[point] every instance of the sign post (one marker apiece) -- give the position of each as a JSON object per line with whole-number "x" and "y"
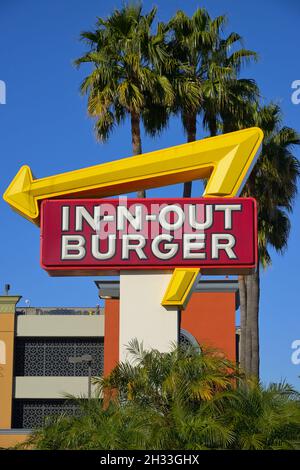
{"x": 141, "y": 314}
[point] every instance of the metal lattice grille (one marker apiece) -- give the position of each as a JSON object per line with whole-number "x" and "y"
{"x": 187, "y": 340}
{"x": 31, "y": 414}
{"x": 49, "y": 356}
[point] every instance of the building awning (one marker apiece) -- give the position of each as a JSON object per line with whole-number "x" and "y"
{"x": 110, "y": 289}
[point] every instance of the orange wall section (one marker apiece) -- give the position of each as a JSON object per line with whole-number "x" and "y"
{"x": 6, "y": 373}
{"x": 111, "y": 335}
{"x": 7, "y": 337}
{"x": 210, "y": 318}
{"x": 11, "y": 440}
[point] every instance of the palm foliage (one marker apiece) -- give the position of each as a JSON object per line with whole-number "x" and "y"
{"x": 186, "y": 67}
{"x": 178, "y": 400}
{"x": 126, "y": 76}
{"x": 160, "y": 378}
{"x": 205, "y": 73}
{"x": 265, "y": 418}
{"x": 273, "y": 183}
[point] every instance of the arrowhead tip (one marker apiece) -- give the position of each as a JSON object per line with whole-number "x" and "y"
{"x": 19, "y": 196}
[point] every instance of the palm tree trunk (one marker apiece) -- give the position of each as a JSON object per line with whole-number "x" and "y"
{"x": 248, "y": 335}
{"x": 191, "y": 129}
{"x": 136, "y": 141}
{"x": 213, "y": 127}
{"x": 243, "y": 321}
{"x": 254, "y": 322}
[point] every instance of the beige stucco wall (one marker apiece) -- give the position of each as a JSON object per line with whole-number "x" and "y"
{"x": 50, "y": 387}
{"x": 141, "y": 314}
{"x": 60, "y": 325}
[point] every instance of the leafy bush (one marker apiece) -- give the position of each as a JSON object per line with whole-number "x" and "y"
{"x": 178, "y": 400}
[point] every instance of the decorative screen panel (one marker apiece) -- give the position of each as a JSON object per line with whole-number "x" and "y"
{"x": 49, "y": 356}
{"x": 31, "y": 414}
{"x": 187, "y": 340}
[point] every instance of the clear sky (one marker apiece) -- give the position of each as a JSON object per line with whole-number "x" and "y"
{"x": 44, "y": 124}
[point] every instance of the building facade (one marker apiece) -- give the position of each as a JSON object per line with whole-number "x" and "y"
{"x": 36, "y": 345}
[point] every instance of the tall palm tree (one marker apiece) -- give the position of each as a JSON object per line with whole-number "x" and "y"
{"x": 206, "y": 76}
{"x": 225, "y": 94}
{"x": 273, "y": 183}
{"x": 126, "y": 76}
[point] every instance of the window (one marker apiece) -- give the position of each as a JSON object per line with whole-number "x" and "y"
{"x": 31, "y": 414}
{"x": 186, "y": 340}
{"x": 49, "y": 356}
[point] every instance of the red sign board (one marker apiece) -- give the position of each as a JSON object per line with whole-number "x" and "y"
{"x": 94, "y": 236}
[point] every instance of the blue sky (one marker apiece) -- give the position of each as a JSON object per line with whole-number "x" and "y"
{"x": 44, "y": 124}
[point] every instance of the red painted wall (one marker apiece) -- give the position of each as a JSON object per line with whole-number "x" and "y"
{"x": 209, "y": 317}
{"x": 111, "y": 335}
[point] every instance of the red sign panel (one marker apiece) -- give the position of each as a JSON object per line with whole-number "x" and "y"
{"x": 94, "y": 236}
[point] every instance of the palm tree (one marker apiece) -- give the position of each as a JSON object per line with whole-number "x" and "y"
{"x": 183, "y": 375}
{"x": 126, "y": 77}
{"x": 178, "y": 400}
{"x": 264, "y": 418}
{"x": 205, "y": 73}
{"x": 273, "y": 183}
{"x": 226, "y": 95}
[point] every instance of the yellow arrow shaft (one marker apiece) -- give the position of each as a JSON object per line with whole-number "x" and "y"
{"x": 224, "y": 160}
{"x": 102, "y": 178}
{"x": 146, "y": 170}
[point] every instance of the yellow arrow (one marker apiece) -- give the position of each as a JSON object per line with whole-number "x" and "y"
{"x": 180, "y": 286}
{"x": 224, "y": 160}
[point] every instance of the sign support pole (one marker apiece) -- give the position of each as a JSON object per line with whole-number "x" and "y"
{"x": 142, "y": 316}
